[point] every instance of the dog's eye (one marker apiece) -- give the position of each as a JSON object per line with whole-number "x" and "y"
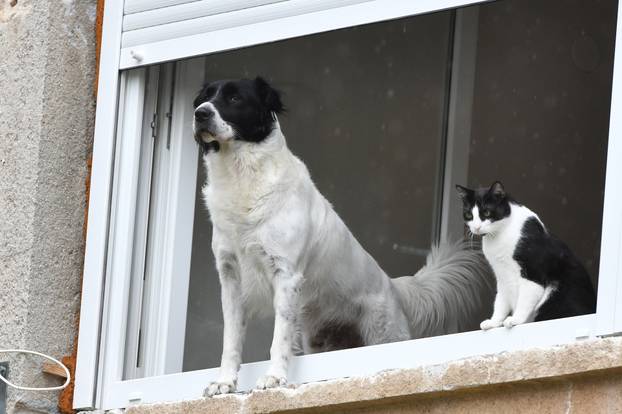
{"x": 468, "y": 215}
{"x": 235, "y": 99}
{"x": 486, "y": 213}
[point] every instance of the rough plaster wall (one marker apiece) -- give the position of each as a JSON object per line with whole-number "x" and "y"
{"x": 47, "y": 62}
{"x": 586, "y": 394}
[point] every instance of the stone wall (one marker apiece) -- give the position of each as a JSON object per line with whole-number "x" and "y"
{"x": 47, "y": 67}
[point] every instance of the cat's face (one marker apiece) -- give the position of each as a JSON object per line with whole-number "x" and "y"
{"x": 484, "y": 209}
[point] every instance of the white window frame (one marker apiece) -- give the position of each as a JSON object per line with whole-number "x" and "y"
{"x": 115, "y": 181}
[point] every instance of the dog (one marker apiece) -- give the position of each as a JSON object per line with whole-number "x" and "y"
{"x": 279, "y": 246}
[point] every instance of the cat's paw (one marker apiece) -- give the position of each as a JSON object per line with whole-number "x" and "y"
{"x": 220, "y": 387}
{"x": 489, "y": 324}
{"x": 511, "y": 321}
{"x": 270, "y": 381}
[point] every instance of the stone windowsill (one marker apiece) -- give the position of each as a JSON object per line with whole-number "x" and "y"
{"x": 539, "y": 366}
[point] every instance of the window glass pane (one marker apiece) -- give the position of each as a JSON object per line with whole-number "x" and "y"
{"x": 365, "y": 113}
{"x": 385, "y": 115}
{"x": 541, "y": 111}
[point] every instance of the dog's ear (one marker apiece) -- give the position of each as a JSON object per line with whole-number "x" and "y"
{"x": 269, "y": 96}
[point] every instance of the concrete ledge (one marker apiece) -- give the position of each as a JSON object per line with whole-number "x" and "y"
{"x": 586, "y": 372}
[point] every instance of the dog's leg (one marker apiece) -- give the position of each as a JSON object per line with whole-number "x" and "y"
{"x": 287, "y": 286}
{"x": 234, "y": 316}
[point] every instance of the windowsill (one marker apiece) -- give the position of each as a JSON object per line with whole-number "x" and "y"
{"x": 555, "y": 370}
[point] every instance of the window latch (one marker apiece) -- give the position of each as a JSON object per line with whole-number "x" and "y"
{"x": 154, "y": 126}
{"x": 134, "y": 398}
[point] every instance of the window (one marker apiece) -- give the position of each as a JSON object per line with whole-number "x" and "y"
{"x": 521, "y": 91}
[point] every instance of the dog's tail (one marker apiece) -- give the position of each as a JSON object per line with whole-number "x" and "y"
{"x": 452, "y": 293}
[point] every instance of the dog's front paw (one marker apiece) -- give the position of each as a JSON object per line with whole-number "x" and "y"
{"x": 489, "y": 324}
{"x": 220, "y": 387}
{"x": 511, "y": 321}
{"x": 270, "y": 381}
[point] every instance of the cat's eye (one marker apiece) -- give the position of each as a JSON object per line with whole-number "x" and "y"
{"x": 486, "y": 213}
{"x": 468, "y": 215}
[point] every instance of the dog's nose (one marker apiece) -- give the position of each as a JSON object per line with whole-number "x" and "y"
{"x": 203, "y": 114}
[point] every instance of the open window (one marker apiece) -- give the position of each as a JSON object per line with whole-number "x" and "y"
{"x": 390, "y": 104}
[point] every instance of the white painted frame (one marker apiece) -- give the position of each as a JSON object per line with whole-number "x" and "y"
{"x": 86, "y": 373}
{"x": 348, "y": 363}
{"x": 176, "y": 174}
{"x": 99, "y": 372}
{"x": 184, "y": 11}
{"x": 141, "y": 230}
{"x": 459, "y": 121}
{"x": 121, "y": 231}
{"x": 242, "y": 30}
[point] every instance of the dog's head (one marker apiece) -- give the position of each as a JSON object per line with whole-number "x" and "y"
{"x": 235, "y": 110}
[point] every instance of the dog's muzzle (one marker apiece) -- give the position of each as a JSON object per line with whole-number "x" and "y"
{"x": 203, "y": 114}
{"x": 202, "y": 119}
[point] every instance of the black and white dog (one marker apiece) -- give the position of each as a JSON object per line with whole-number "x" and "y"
{"x": 279, "y": 245}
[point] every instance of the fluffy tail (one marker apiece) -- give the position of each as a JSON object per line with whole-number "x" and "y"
{"x": 452, "y": 293}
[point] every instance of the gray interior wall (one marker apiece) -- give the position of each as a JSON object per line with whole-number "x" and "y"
{"x": 365, "y": 112}
{"x": 541, "y": 111}
{"x": 47, "y": 65}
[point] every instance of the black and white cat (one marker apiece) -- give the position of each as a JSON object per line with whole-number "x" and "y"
{"x": 538, "y": 276}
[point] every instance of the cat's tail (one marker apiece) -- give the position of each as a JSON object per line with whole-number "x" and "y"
{"x": 452, "y": 293}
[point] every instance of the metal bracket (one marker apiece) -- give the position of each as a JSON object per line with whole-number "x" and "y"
{"x": 154, "y": 125}
{"x": 4, "y": 371}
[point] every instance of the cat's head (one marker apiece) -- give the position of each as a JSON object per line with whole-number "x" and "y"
{"x": 484, "y": 209}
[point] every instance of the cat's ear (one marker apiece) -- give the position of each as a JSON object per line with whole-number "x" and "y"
{"x": 497, "y": 189}
{"x": 463, "y": 192}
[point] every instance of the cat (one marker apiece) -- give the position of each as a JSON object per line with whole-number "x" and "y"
{"x": 538, "y": 276}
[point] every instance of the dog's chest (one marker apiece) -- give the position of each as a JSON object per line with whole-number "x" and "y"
{"x": 238, "y": 205}
{"x": 234, "y": 208}
{"x": 238, "y": 214}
